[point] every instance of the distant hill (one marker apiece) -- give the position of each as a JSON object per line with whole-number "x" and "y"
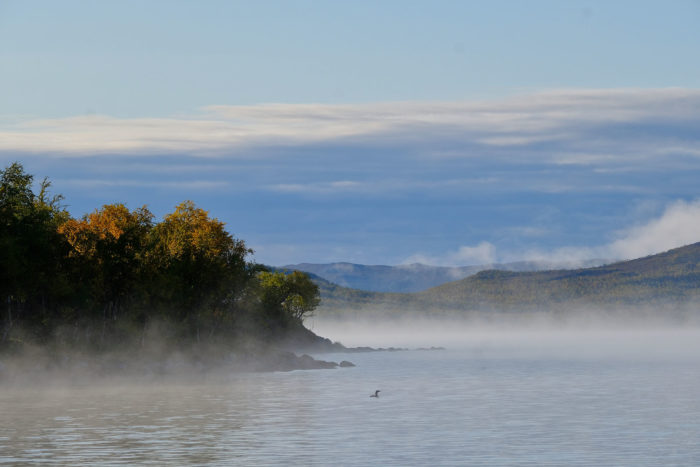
{"x": 666, "y": 278}
{"x": 413, "y": 277}
{"x": 673, "y": 275}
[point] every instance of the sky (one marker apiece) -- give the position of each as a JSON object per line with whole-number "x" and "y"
{"x": 390, "y": 132}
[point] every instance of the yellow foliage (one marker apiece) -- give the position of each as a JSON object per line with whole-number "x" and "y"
{"x": 190, "y": 231}
{"x": 107, "y": 224}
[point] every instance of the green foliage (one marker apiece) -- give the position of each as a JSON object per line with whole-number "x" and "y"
{"x": 197, "y": 265}
{"x": 291, "y": 296}
{"x": 102, "y": 279}
{"x": 31, "y": 276}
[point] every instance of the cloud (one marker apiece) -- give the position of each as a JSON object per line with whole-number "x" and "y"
{"x": 177, "y": 185}
{"x": 318, "y": 187}
{"x": 398, "y": 170}
{"x": 483, "y": 253}
{"x": 579, "y": 127}
{"x": 386, "y": 185}
{"x": 677, "y": 226}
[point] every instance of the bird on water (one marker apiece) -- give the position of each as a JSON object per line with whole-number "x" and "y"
{"x": 376, "y": 393}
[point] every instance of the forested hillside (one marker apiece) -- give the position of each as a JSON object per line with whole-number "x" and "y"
{"x": 117, "y": 278}
{"x": 414, "y": 277}
{"x": 672, "y": 277}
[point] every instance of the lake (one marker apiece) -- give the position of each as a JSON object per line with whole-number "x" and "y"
{"x": 507, "y": 399}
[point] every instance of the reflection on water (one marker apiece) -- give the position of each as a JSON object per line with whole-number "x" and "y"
{"x": 435, "y": 408}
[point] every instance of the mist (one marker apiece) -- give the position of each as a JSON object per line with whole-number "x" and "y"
{"x": 582, "y": 333}
{"x": 159, "y": 357}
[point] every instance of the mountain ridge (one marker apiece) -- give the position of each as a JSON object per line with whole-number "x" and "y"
{"x": 414, "y": 277}
{"x": 670, "y": 277}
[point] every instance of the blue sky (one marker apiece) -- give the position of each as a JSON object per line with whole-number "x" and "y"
{"x": 372, "y": 132}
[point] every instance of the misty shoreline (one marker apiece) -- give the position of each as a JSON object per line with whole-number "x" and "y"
{"x": 39, "y": 366}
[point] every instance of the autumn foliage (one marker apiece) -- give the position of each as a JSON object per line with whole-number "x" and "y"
{"x": 106, "y": 278}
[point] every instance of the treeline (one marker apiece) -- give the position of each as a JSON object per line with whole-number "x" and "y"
{"x": 112, "y": 276}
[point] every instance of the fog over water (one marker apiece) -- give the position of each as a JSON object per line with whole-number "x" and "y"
{"x": 527, "y": 391}
{"x": 581, "y": 333}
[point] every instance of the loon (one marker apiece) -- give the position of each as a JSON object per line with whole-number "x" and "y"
{"x": 376, "y": 393}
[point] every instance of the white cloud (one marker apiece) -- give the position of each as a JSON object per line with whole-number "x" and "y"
{"x": 562, "y": 117}
{"x": 679, "y": 225}
{"x": 483, "y": 253}
{"x": 564, "y": 257}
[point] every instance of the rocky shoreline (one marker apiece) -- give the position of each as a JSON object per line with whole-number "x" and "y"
{"x": 35, "y": 364}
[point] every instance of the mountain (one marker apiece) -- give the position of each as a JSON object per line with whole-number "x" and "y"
{"x": 672, "y": 277}
{"x": 412, "y": 277}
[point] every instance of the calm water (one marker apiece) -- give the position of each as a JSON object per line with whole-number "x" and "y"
{"x": 468, "y": 407}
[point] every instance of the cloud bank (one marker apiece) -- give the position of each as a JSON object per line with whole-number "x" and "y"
{"x": 562, "y": 119}
{"x": 449, "y": 183}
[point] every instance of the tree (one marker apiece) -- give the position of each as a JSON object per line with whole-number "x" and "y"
{"x": 64, "y": 279}
{"x": 107, "y": 252}
{"x": 200, "y": 267}
{"x": 290, "y": 297}
{"x": 31, "y": 275}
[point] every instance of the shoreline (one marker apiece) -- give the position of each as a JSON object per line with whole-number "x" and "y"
{"x": 33, "y": 369}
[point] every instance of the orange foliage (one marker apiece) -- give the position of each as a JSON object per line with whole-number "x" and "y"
{"x": 105, "y": 225}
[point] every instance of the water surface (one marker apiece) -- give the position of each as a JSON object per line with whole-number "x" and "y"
{"x": 476, "y": 406}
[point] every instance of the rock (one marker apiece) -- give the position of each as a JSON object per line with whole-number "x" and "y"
{"x": 307, "y": 362}
{"x": 346, "y": 364}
